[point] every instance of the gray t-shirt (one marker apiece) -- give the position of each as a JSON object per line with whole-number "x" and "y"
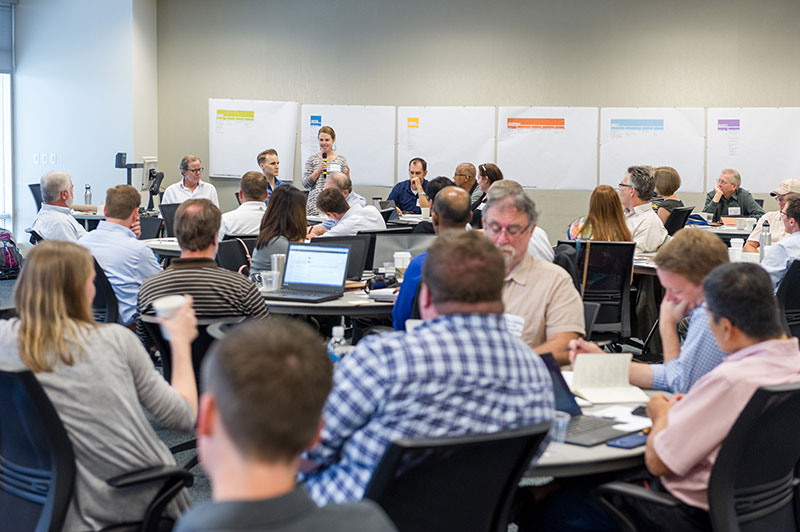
{"x": 261, "y": 260}
{"x": 293, "y": 512}
{"x": 100, "y": 399}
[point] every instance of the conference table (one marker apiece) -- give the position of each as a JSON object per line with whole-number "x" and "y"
{"x": 725, "y": 232}
{"x": 164, "y": 247}
{"x": 354, "y": 304}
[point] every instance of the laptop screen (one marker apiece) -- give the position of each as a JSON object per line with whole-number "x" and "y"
{"x": 316, "y": 265}
{"x": 565, "y": 400}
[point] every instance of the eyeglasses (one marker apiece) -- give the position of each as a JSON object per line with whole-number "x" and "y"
{"x": 620, "y": 185}
{"x": 783, "y": 213}
{"x": 511, "y": 230}
{"x": 195, "y": 170}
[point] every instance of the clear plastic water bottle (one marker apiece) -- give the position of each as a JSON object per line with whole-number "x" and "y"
{"x": 87, "y": 196}
{"x": 337, "y": 345}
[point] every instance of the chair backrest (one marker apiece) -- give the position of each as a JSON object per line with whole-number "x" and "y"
{"x": 35, "y": 237}
{"x": 759, "y": 201}
{"x": 608, "y": 281}
{"x": 359, "y": 246}
{"x": 454, "y": 483}
{"x": 752, "y": 487}
{"x": 37, "y": 464}
{"x": 105, "y": 306}
{"x": 789, "y": 299}
{"x": 590, "y": 311}
{"x": 36, "y": 190}
{"x": 677, "y": 219}
{"x": 234, "y": 255}
{"x": 564, "y": 256}
{"x": 151, "y": 227}
{"x": 249, "y": 241}
{"x": 168, "y": 214}
{"x": 200, "y": 346}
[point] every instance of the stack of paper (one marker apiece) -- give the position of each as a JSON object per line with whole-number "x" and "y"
{"x": 603, "y": 378}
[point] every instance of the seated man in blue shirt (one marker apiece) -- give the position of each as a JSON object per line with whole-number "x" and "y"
{"x": 411, "y": 194}
{"x": 460, "y": 372}
{"x": 126, "y": 261}
{"x": 681, "y": 264}
{"x": 787, "y": 250}
{"x": 263, "y": 393}
{"x": 54, "y": 221}
{"x": 450, "y": 211}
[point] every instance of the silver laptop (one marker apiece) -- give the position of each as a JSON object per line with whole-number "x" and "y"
{"x": 313, "y": 273}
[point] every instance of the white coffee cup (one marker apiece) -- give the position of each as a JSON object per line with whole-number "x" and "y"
{"x": 735, "y": 254}
{"x": 401, "y": 261}
{"x": 741, "y": 223}
{"x": 167, "y": 306}
{"x": 751, "y": 224}
{"x": 737, "y": 243}
{"x": 426, "y": 212}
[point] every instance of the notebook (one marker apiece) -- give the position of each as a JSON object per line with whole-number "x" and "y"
{"x": 585, "y": 431}
{"x": 603, "y": 378}
{"x": 313, "y": 273}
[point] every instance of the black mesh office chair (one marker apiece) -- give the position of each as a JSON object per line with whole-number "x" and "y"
{"x": 105, "y": 306}
{"x": 36, "y": 190}
{"x": 590, "y": 311}
{"x": 454, "y": 483}
{"x": 677, "y": 219}
{"x": 249, "y": 241}
{"x": 151, "y": 227}
{"x": 789, "y": 300}
{"x": 234, "y": 255}
{"x": 35, "y": 237}
{"x": 37, "y": 464}
{"x": 753, "y": 485}
{"x": 760, "y": 202}
{"x": 168, "y": 214}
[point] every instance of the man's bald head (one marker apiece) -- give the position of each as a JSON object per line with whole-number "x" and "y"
{"x": 465, "y": 175}
{"x": 340, "y": 181}
{"x": 451, "y": 209}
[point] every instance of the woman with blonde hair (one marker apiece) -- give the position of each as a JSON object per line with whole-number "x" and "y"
{"x": 99, "y": 378}
{"x": 605, "y": 220}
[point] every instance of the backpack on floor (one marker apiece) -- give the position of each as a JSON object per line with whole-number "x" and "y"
{"x": 10, "y": 258}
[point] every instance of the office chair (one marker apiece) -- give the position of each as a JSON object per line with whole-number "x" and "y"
{"x": 35, "y": 237}
{"x": 36, "y": 190}
{"x": 200, "y": 347}
{"x": 788, "y": 295}
{"x": 677, "y": 219}
{"x": 168, "y": 214}
{"x": 234, "y": 255}
{"x": 760, "y": 202}
{"x": 249, "y": 241}
{"x": 590, "y": 311}
{"x": 37, "y": 476}
{"x": 473, "y": 479}
{"x": 753, "y": 484}
{"x": 105, "y": 306}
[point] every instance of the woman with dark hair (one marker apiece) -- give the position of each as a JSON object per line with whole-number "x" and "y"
{"x": 320, "y": 164}
{"x": 284, "y": 221}
{"x": 488, "y": 173}
{"x": 100, "y": 380}
{"x": 667, "y": 183}
{"x": 605, "y": 220}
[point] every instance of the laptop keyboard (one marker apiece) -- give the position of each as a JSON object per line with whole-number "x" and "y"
{"x": 288, "y": 292}
{"x": 591, "y": 430}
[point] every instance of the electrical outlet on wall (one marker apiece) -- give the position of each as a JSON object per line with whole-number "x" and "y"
{"x": 52, "y": 158}
{"x": 35, "y": 158}
{"x": 43, "y": 158}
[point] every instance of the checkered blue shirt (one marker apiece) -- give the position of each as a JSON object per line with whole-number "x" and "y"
{"x": 454, "y": 375}
{"x": 699, "y": 355}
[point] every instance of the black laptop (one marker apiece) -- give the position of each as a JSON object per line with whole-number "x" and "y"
{"x": 313, "y": 274}
{"x": 586, "y": 431}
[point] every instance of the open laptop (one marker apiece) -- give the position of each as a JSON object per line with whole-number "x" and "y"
{"x": 313, "y": 274}
{"x": 586, "y": 431}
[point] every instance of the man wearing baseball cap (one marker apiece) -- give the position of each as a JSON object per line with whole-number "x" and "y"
{"x": 787, "y": 186}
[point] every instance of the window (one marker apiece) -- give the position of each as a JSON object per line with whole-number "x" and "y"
{"x": 6, "y": 67}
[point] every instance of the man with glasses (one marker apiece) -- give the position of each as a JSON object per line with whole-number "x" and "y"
{"x": 787, "y": 186}
{"x": 728, "y": 199}
{"x": 540, "y": 298}
{"x": 464, "y": 177}
{"x": 782, "y": 254}
{"x": 190, "y": 186}
{"x": 635, "y": 192}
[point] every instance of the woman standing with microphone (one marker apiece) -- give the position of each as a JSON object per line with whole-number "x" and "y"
{"x": 319, "y": 165}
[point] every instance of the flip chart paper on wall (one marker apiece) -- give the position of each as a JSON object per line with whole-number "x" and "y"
{"x": 763, "y": 144}
{"x": 238, "y": 130}
{"x": 551, "y": 148}
{"x": 444, "y": 137}
{"x": 656, "y": 136}
{"x": 364, "y": 135}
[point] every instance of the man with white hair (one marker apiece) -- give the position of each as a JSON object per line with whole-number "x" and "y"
{"x": 53, "y": 221}
{"x": 729, "y": 199}
{"x": 635, "y": 192}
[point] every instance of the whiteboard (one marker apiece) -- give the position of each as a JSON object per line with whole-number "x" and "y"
{"x": 238, "y": 130}
{"x": 552, "y": 148}
{"x": 364, "y": 136}
{"x": 444, "y": 137}
{"x": 762, "y": 144}
{"x": 656, "y": 136}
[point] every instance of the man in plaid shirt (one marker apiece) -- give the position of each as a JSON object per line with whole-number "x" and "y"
{"x": 459, "y": 372}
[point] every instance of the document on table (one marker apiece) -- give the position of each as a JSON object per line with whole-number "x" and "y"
{"x": 603, "y": 378}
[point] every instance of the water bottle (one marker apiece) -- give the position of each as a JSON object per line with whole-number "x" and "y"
{"x": 764, "y": 240}
{"x": 87, "y": 196}
{"x": 337, "y": 346}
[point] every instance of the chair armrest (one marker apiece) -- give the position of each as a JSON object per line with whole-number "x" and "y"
{"x": 637, "y": 492}
{"x": 150, "y": 475}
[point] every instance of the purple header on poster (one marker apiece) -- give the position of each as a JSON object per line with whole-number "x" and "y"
{"x": 731, "y": 124}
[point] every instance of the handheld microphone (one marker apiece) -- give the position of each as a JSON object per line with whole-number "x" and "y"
{"x": 324, "y": 160}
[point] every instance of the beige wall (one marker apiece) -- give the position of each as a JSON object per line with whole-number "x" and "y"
{"x": 450, "y": 52}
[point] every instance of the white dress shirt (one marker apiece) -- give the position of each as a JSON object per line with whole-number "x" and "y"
{"x": 53, "y": 222}
{"x": 539, "y": 245}
{"x": 646, "y": 228}
{"x": 358, "y": 219}
{"x": 245, "y": 220}
{"x": 178, "y": 193}
{"x": 781, "y": 256}
{"x": 353, "y": 200}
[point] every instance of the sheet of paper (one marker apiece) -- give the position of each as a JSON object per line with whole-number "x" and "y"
{"x": 596, "y": 370}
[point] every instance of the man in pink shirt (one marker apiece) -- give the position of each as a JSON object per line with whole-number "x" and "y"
{"x": 688, "y": 430}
